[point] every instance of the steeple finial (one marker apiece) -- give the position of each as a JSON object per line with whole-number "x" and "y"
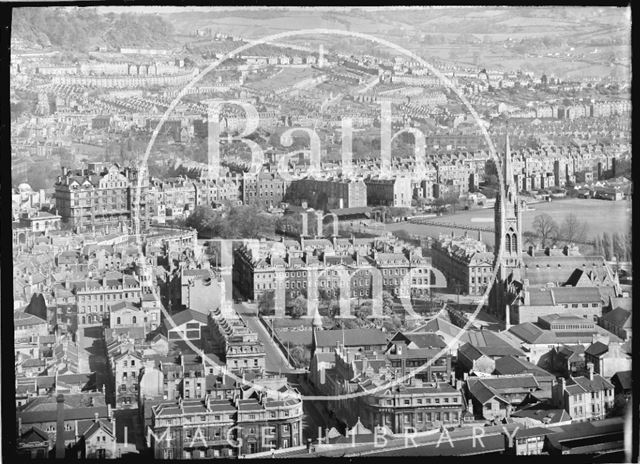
{"x": 508, "y": 174}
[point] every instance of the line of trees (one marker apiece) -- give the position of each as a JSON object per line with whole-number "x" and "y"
{"x": 235, "y": 222}
{"x": 614, "y": 245}
{"x": 547, "y": 232}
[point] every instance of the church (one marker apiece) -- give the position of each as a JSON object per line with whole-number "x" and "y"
{"x": 535, "y": 282}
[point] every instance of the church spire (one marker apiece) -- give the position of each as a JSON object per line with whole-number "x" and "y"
{"x": 508, "y": 172}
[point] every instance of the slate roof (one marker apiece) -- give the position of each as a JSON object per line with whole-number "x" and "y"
{"x": 539, "y": 413}
{"x": 475, "y": 352}
{"x": 34, "y": 435}
{"x": 483, "y": 392}
{"x": 437, "y": 324}
{"x": 352, "y": 337}
{"x": 619, "y": 317}
{"x": 540, "y": 270}
{"x": 624, "y": 378}
{"x": 509, "y": 365}
{"x": 596, "y": 349}
{"x": 598, "y": 383}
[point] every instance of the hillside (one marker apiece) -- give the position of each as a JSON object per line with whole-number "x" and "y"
{"x": 82, "y": 29}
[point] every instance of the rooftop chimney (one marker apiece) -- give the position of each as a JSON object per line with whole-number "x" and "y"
{"x": 590, "y": 370}
{"x": 60, "y": 448}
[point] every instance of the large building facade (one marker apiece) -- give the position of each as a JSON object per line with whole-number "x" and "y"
{"x": 100, "y": 197}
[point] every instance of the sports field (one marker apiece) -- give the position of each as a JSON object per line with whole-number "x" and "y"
{"x": 600, "y": 215}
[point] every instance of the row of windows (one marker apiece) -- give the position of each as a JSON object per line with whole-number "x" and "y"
{"x": 407, "y": 401}
{"x": 132, "y": 375}
{"x": 108, "y": 296}
{"x": 428, "y": 417}
{"x": 396, "y": 271}
{"x": 245, "y": 362}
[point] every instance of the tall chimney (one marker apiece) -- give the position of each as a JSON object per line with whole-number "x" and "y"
{"x": 60, "y": 448}
{"x": 590, "y": 370}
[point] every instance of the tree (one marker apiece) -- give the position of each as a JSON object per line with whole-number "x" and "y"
{"x": 597, "y": 246}
{"x": 204, "y": 219}
{"x": 300, "y": 354}
{"x": 267, "y": 302}
{"x": 402, "y": 235}
{"x": 607, "y": 246}
{"x": 546, "y": 229}
{"x": 529, "y": 238}
{"x": 387, "y": 302}
{"x": 299, "y": 307}
{"x": 573, "y": 230}
{"x": 363, "y": 311}
{"x": 619, "y": 246}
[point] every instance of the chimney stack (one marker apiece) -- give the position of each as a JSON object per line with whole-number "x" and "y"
{"x": 60, "y": 448}
{"x": 590, "y": 370}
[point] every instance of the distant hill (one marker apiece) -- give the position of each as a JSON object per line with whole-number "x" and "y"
{"x": 83, "y": 29}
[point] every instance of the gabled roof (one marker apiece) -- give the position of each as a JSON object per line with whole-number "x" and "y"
{"x": 34, "y": 435}
{"x": 437, "y": 324}
{"x": 188, "y": 315}
{"x": 97, "y": 426}
{"x": 624, "y": 379}
{"x": 483, "y": 392}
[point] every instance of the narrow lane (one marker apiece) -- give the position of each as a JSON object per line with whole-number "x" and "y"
{"x": 276, "y": 361}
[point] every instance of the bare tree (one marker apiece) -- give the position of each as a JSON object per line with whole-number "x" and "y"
{"x": 607, "y": 246}
{"x": 573, "y": 230}
{"x": 546, "y": 228}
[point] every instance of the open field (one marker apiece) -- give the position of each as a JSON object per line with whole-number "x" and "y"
{"x": 286, "y": 77}
{"x": 600, "y": 215}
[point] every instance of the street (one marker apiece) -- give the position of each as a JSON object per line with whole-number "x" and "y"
{"x": 275, "y": 360}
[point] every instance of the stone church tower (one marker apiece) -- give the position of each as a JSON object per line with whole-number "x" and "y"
{"x": 508, "y": 238}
